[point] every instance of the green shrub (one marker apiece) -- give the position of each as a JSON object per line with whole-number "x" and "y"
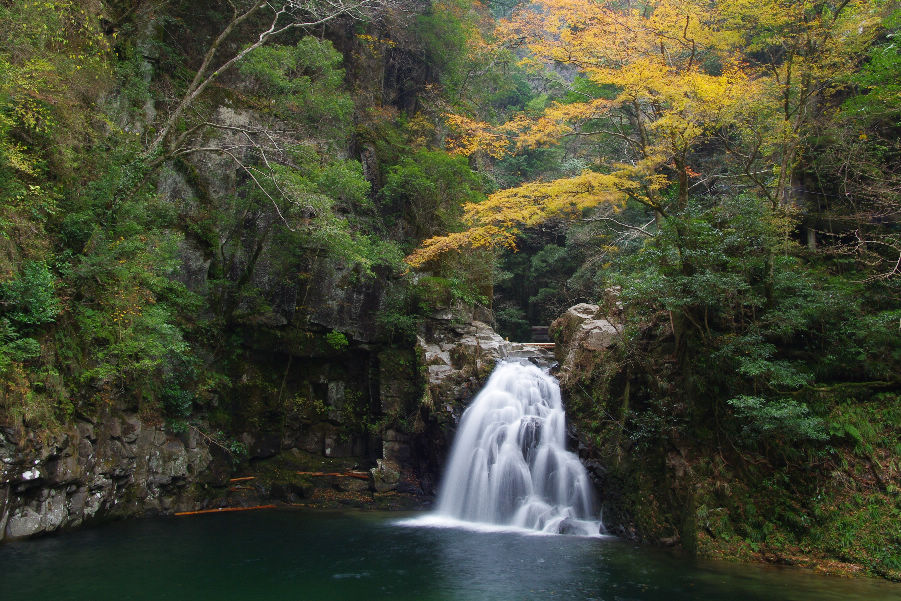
{"x": 786, "y": 418}
{"x": 30, "y": 297}
{"x": 337, "y": 340}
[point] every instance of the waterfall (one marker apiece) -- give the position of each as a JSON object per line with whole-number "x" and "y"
{"x": 509, "y": 465}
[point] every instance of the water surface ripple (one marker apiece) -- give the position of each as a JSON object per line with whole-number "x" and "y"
{"x": 299, "y": 555}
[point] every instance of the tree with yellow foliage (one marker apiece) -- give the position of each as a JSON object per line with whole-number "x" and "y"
{"x": 799, "y": 52}
{"x": 666, "y": 77}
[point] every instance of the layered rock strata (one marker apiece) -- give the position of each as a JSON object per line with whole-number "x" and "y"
{"x": 120, "y": 466}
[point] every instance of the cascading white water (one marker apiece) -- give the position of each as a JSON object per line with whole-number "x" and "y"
{"x": 509, "y": 465}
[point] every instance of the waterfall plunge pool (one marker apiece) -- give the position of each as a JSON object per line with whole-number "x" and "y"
{"x": 294, "y": 555}
{"x": 509, "y": 479}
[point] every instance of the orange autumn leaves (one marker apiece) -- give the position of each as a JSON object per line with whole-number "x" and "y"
{"x": 649, "y": 58}
{"x": 496, "y": 221}
{"x": 665, "y": 77}
{"x": 522, "y": 131}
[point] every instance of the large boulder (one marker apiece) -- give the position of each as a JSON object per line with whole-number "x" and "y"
{"x": 583, "y": 335}
{"x": 460, "y": 350}
{"x": 385, "y": 476}
{"x": 458, "y": 359}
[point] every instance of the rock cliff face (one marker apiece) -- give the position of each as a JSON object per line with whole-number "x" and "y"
{"x": 455, "y": 353}
{"x": 582, "y": 334}
{"x": 644, "y": 493}
{"x": 460, "y": 355}
{"x": 121, "y": 466}
{"x": 586, "y": 336}
{"x": 118, "y": 466}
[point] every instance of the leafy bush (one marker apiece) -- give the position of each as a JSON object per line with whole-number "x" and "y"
{"x": 337, "y": 340}
{"x": 785, "y": 418}
{"x": 512, "y": 323}
{"x": 30, "y": 298}
{"x": 302, "y": 83}
{"x": 427, "y": 192}
{"x": 14, "y": 348}
{"x": 435, "y": 292}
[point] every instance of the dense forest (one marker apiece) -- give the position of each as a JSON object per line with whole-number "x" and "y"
{"x": 189, "y": 188}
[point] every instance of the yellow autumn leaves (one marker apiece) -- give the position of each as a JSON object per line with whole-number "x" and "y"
{"x": 496, "y": 221}
{"x": 674, "y": 74}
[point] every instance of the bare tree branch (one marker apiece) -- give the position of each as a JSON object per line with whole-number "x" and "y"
{"x": 286, "y": 15}
{"x": 634, "y": 228}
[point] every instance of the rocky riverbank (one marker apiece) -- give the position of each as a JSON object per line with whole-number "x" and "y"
{"x": 117, "y": 465}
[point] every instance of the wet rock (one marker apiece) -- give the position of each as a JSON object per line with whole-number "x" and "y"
{"x": 582, "y": 335}
{"x": 77, "y": 502}
{"x": 385, "y": 476}
{"x": 54, "y": 511}
{"x": 115, "y": 428}
{"x": 23, "y": 522}
{"x": 175, "y": 459}
{"x": 459, "y": 357}
{"x": 199, "y": 460}
{"x": 85, "y": 451}
{"x": 93, "y": 504}
{"x": 158, "y": 437}
{"x": 100, "y": 483}
{"x": 65, "y": 470}
{"x": 131, "y": 429}
{"x": 86, "y": 430}
{"x": 120, "y": 467}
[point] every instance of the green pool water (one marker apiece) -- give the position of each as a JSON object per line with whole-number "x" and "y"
{"x": 298, "y": 555}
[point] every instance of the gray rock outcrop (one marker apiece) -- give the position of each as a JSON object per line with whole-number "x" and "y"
{"x": 460, "y": 355}
{"x": 120, "y": 466}
{"x": 583, "y": 334}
